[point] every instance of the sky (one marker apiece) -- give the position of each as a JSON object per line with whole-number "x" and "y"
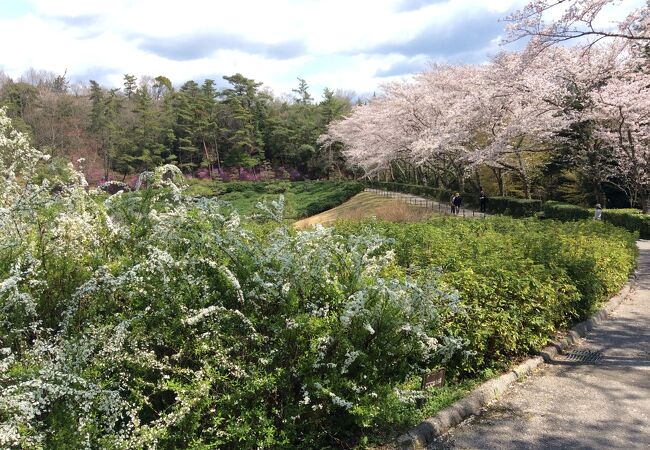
{"x": 352, "y": 45}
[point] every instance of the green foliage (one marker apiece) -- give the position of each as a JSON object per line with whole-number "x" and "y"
{"x": 398, "y": 415}
{"x": 154, "y": 319}
{"x": 178, "y": 325}
{"x": 302, "y": 198}
{"x": 565, "y": 211}
{"x": 630, "y": 219}
{"x": 203, "y": 188}
{"x": 633, "y": 220}
{"x": 518, "y": 280}
{"x": 324, "y": 197}
{"x": 515, "y": 207}
{"x": 197, "y": 126}
{"x": 18, "y": 98}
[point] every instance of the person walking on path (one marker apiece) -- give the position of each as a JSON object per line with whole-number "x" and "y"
{"x": 482, "y": 201}
{"x": 455, "y": 203}
{"x": 599, "y": 212}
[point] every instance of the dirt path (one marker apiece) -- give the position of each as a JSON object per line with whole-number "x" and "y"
{"x": 597, "y": 399}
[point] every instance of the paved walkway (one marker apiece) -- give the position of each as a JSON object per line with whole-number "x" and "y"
{"x": 440, "y": 208}
{"x": 579, "y": 405}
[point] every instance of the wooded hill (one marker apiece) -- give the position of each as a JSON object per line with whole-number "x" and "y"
{"x": 241, "y": 130}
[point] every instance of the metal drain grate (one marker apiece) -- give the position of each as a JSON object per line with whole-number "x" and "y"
{"x": 580, "y": 356}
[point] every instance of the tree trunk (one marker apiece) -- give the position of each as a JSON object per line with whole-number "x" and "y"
{"x": 498, "y": 174}
{"x": 216, "y": 151}
{"x": 645, "y": 203}
{"x": 207, "y": 158}
{"x": 107, "y": 164}
{"x": 522, "y": 171}
{"x": 600, "y": 195}
{"x": 526, "y": 185}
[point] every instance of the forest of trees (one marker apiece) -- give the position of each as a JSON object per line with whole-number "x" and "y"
{"x": 569, "y": 123}
{"x": 241, "y": 130}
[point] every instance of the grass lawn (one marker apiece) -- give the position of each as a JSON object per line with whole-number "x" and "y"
{"x": 365, "y": 205}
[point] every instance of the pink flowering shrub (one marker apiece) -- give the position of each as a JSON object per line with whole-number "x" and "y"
{"x": 202, "y": 174}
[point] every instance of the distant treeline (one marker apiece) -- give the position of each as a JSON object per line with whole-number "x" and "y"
{"x": 240, "y": 131}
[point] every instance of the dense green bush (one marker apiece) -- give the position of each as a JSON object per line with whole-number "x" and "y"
{"x": 630, "y": 219}
{"x": 515, "y": 207}
{"x": 178, "y": 324}
{"x": 518, "y": 280}
{"x": 338, "y": 193}
{"x": 158, "y": 320}
{"x": 565, "y": 211}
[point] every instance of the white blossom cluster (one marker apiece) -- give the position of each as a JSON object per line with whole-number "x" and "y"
{"x": 128, "y": 320}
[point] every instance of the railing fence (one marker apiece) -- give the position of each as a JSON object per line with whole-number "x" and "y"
{"x": 427, "y": 203}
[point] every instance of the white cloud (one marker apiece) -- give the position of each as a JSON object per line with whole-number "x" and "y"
{"x": 107, "y": 39}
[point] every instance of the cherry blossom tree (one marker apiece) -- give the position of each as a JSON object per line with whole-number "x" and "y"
{"x": 609, "y": 84}
{"x": 370, "y": 136}
{"x": 577, "y": 20}
{"x": 453, "y": 119}
{"x": 585, "y": 150}
{"x": 451, "y": 105}
{"x": 522, "y": 116}
{"x": 422, "y": 124}
{"x": 621, "y": 108}
{"x": 513, "y": 114}
{"x": 607, "y": 111}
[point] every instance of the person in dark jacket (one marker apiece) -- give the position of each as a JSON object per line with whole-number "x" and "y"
{"x": 455, "y": 203}
{"x": 482, "y": 201}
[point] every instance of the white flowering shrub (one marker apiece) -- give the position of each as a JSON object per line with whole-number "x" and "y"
{"x": 153, "y": 320}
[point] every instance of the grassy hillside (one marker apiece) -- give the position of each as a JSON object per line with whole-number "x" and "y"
{"x": 366, "y": 205}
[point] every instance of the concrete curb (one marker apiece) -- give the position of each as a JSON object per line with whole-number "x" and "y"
{"x": 422, "y": 435}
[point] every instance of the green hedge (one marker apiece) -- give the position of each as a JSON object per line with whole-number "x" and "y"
{"x": 515, "y": 207}
{"x": 510, "y": 206}
{"x": 440, "y": 194}
{"x": 565, "y": 211}
{"x": 338, "y": 193}
{"x": 630, "y": 219}
{"x": 518, "y": 279}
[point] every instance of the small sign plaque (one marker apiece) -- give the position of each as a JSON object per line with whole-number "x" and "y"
{"x": 433, "y": 379}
